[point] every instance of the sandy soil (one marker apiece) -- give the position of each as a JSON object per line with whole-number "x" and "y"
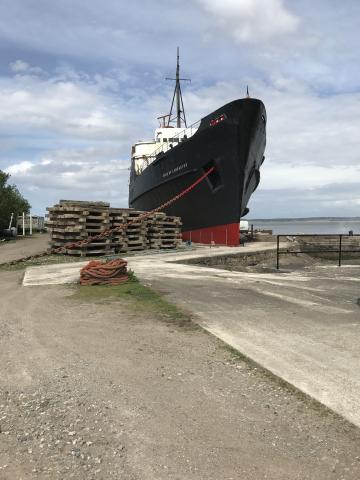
{"x": 22, "y": 247}
{"x": 98, "y": 389}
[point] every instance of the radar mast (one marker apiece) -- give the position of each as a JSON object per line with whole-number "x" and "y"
{"x": 179, "y": 117}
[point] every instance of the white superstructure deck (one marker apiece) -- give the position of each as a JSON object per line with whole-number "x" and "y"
{"x": 143, "y": 153}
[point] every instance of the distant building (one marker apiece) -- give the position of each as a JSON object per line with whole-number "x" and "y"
{"x": 38, "y": 223}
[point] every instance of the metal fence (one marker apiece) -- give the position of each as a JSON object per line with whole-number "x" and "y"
{"x": 336, "y": 245}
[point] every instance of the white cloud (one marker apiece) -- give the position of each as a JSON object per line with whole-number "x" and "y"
{"x": 20, "y": 168}
{"x": 333, "y": 200}
{"x": 307, "y": 129}
{"x": 352, "y": 203}
{"x": 92, "y": 174}
{"x": 307, "y": 177}
{"x": 303, "y": 128}
{"x": 75, "y": 109}
{"x": 253, "y": 21}
{"x": 19, "y": 66}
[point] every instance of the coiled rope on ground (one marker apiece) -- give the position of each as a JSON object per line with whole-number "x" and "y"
{"x": 111, "y": 272}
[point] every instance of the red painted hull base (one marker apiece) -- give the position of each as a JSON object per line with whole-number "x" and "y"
{"x": 228, "y": 234}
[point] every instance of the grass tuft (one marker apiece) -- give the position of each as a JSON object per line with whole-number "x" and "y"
{"x": 137, "y": 297}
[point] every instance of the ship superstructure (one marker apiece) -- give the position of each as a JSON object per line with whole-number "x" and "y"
{"x": 166, "y": 138}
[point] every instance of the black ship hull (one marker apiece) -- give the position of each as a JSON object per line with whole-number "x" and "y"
{"x": 232, "y": 139}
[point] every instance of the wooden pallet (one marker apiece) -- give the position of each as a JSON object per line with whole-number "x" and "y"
{"x": 164, "y": 232}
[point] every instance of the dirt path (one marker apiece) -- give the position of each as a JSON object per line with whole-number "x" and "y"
{"x": 93, "y": 388}
{"x": 22, "y": 247}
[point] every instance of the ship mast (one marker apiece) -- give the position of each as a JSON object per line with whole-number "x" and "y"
{"x": 180, "y": 116}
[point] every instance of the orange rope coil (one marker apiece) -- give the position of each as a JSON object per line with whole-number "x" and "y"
{"x": 112, "y": 272}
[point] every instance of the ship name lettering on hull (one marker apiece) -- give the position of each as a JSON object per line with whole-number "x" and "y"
{"x": 175, "y": 170}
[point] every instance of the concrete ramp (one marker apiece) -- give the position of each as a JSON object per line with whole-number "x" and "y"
{"x": 57, "y": 274}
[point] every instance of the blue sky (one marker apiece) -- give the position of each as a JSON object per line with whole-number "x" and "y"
{"x": 81, "y": 81}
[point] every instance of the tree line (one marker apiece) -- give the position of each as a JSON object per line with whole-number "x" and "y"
{"x": 11, "y": 201}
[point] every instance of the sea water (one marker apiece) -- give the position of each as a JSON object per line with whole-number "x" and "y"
{"x": 310, "y": 225}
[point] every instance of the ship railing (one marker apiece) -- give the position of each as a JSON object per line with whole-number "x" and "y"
{"x": 183, "y": 134}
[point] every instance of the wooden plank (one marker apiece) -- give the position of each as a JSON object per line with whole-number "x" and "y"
{"x": 84, "y": 202}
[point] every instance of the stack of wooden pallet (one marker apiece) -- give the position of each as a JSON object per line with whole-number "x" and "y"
{"x": 71, "y": 221}
{"x": 163, "y": 231}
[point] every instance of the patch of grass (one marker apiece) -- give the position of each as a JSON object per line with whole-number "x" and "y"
{"x": 137, "y": 297}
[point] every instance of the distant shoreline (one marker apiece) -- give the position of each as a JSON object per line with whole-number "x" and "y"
{"x": 303, "y": 219}
{"x": 308, "y": 225}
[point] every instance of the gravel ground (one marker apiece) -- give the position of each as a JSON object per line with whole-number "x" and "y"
{"x": 94, "y": 388}
{"x": 22, "y": 247}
